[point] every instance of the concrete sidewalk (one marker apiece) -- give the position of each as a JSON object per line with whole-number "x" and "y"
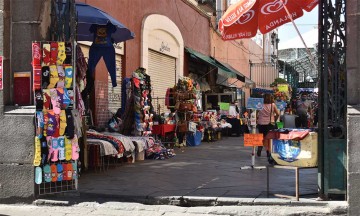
{"x": 136, "y": 209}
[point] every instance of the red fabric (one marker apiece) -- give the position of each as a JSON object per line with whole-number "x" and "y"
{"x": 36, "y": 53}
{"x": 163, "y": 129}
{"x": 264, "y": 15}
{"x": 53, "y": 52}
{"x": 167, "y": 97}
{"x": 37, "y": 77}
{"x": 293, "y": 135}
{"x": 235, "y": 11}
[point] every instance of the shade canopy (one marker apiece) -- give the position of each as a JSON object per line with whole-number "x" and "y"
{"x": 222, "y": 69}
{"x": 88, "y": 15}
{"x": 246, "y": 17}
{"x": 239, "y": 75}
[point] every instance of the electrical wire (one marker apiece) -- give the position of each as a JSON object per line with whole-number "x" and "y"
{"x": 177, "y": 9}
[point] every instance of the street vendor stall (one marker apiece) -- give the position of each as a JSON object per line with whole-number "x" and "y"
{"x": 294, "y": 147}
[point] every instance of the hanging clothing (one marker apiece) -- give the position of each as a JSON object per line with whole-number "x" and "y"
{"x": 102, "y": 46}
{"x": 125, "y": 89}
{"x": 108, "y": 54}
{"x": 167, "y": 97}
{"x": 102, "y": 35}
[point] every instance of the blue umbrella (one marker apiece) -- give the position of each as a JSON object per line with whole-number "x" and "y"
{"x": 89, "y": 15}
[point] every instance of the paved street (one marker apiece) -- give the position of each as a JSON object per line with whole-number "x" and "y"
{"x": 208, "y": 170}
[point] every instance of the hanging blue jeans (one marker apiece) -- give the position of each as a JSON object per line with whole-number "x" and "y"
{"x": 108, "y": 54}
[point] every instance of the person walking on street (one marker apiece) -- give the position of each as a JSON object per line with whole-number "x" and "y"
{"x": 266, "y": 120}
{"x": 303, "y": 110}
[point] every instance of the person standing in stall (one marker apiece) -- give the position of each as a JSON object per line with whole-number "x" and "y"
{"x": 266, "y": 121}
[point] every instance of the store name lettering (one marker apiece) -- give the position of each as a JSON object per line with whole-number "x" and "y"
{"x": 164, "y": 47}
{"x": 240, "y": 10}
{"x": 237, "y": 35}
{"x": 279, "y": 21}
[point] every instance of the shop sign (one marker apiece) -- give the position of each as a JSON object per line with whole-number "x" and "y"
{"x": 163, "y": 42}
{"x": 255, "y": 103}
{"x": 281, "y": 105}
{"x": 253, "y": 140}
{"x": 283, "y": 88}
{"x": 1, "y": 73}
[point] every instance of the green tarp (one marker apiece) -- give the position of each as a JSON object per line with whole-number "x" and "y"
{"x": 222, "y": 69}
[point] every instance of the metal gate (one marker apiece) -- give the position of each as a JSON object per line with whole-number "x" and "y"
{"x": 332, "y": 98}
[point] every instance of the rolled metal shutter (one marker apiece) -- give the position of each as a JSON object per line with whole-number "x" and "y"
{"x": 162, "y": 71}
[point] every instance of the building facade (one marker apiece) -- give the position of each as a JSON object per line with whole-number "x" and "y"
{"x": 163, "y": 30}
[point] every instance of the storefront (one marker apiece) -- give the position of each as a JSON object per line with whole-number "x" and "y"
{"x": 162, "y": 54}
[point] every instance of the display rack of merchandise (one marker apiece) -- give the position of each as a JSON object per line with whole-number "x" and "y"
{"x": 139, "y": 110}
{"x": 185, "y": 107}
{"x": 56, "y": 141}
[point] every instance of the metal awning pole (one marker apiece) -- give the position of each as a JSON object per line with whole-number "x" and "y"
{"x": 206, "y": 74}
{"x": 302, "y": 39}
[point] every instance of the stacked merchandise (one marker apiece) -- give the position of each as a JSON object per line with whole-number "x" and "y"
{"x": 185, "y": 107}
{"x": 142, "y": 103}
{"x": 157, "y": 151}
{"x": 115, "y": 142}
{"x": 58, "y": 125}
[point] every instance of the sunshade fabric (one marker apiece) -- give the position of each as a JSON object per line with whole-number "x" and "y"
{"x": 246, "y": 17}
{"x": 88, "y": 15}
{"x": 222, "y": 70}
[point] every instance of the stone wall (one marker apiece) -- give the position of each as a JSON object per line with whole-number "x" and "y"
{"x": 22, "y": 22}
{"x": 353, "y": 100}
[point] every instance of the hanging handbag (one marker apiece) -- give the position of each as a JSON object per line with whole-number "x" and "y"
{"x": 182, "y": 96}
{"x": 177, "y": 105}
{"x": 185, "y": 106}
{"x": 182, "y": 126}
{"x": 185, "y": 96}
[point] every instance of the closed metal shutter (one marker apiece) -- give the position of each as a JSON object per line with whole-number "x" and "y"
{"x": 162, "y": 73}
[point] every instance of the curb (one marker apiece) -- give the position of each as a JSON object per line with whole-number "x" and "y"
{"x": 184, "y": 201}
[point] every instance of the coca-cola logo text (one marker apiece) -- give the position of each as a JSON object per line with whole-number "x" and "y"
{"x": 36, "y": 51}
